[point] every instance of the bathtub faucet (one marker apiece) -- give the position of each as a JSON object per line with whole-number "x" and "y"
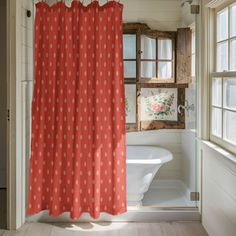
{"x": 186, "y": 107}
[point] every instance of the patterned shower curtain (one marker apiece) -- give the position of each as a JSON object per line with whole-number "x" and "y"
{"x": 78, "y": 152}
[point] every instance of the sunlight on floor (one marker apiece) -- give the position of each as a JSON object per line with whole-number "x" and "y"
{"x": 105, "y": 226}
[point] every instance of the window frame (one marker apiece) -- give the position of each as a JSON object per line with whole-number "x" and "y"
{"x": 130, "y": 127}
{"x": 162, "y": 36}
{"x": 221, "y": 141}
{"x": 132, "y": 80}
{"x": 140, "y": 29}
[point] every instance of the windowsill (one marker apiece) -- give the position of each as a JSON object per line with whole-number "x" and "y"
{"x": 220, "y": 150}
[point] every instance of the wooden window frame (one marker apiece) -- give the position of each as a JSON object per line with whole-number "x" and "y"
{"x": 127, "y": 29}
{"x": 142, "y": 29}
{"x": 158, "y": 35}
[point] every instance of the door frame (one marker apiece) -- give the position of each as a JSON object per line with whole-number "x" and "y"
{"x": 15, "y": 163}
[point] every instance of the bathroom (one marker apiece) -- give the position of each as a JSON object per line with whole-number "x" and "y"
{"x": 166, "y": 134}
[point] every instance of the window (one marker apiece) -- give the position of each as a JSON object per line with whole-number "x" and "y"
{"x": 130, "y": 75}
{"x": 223, "y": 80}
{"x": 157, "y": 58}
{"x": 129, "y": 55}
{"x": 153, "y": 91}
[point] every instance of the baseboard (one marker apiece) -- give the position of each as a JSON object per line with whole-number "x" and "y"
{"x": 132, "y": 215}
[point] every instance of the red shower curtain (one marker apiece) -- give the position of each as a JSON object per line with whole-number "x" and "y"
{"x": 78, "y": 152}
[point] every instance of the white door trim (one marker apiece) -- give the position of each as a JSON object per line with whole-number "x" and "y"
{"x": 15, "y": 167}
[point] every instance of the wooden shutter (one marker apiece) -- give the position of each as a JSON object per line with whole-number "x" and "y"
{"x": 183, "y": 51}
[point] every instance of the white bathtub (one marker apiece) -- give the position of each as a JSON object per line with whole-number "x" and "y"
{"x": 143, "y": 162}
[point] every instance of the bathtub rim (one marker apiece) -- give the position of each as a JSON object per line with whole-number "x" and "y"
{"x": 159, "y": 160}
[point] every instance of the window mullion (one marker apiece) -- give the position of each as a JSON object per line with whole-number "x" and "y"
{"x": 222, "y": 108}
{"x": 157, "y": 57}
{"x": 229, "y": 39}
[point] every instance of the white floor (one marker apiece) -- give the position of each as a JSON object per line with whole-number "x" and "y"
{"x": 166, "y": 197}
{"x": 110, "y": 229}
{"x": 168, "y": 193}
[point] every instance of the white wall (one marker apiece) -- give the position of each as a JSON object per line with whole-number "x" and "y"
{"x": 218, "y": 192}
{"x": 3, "y": 95}
{"x": 186, "y": 17}
{"x": 218, "y": 171}
{"x": 189, "y": 165}
{"x": 158, "y": 14}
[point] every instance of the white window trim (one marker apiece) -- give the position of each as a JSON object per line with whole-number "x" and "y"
{"x": 212, "y": 73}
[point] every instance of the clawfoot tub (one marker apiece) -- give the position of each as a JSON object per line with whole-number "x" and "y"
{"x": 143, "y": 162}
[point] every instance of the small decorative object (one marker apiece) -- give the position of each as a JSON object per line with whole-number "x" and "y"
{"x": 130, "y": 103}
{"x": 159, "y": 104}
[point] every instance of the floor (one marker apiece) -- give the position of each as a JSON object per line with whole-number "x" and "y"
{"x": 3, "y": 208}
{"x": 110, "y": 229}
{"x": 168, "y": 197}
{"x": 165, "y": 197}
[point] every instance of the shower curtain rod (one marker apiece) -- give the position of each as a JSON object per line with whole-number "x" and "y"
{"x": 77, "y": 0}
{"x": 56, "y": 0}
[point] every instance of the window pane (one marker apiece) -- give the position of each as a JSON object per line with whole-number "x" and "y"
{"x": 129, "y": 46}
{"x": 148, "y": 47}
{"x": 130, "y": 103}
{"x": 233, "y": 55}
{"x": 164, "y": 70}
{"x": 222, "y": 56}
{"x": 130, "y": 69}
{"x": 216, "y": 121}
{"x": 164, "y": 49}
{"x": 148, "y": 69}
{"x": 230, "y": 126}
{"x": 222, "y": 25}
{"x": 217, "y": 92}
{"x": 233, "y": 21}
{"x": 230, "y": 93}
